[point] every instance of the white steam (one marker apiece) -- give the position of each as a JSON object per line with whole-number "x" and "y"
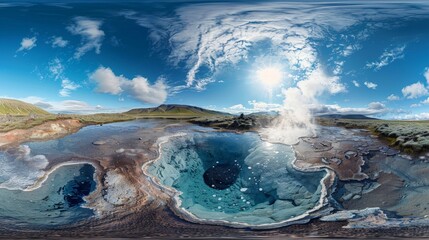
{"x": 19, "y": 169}
{"x": 296, "y": 119}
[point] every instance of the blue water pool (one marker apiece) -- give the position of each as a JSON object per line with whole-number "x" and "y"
{"x": 58, "y": 201}
{"x": 236, "y": 178}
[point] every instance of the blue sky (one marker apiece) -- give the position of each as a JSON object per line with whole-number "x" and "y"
{"x": 331, "y": 57}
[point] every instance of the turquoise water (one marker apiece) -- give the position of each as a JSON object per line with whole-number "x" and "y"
{"x": 57, "y": 202}
{"x": 236, "y": 178}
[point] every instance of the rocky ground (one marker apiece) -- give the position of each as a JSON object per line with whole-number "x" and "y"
{"x": 409, "y": 136}
{"x": 44, "y": 131}
{"x": 235, "y": 123}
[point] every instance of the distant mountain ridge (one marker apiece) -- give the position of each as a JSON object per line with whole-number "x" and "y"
{"x": 346, "y": 116}
{"x": 16, "y": 107}
{"x": 174, "y": 109}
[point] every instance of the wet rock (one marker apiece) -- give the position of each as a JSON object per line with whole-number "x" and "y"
{"x": 392, "y": 152}
{"x": 352, "y": 214}
{"x": 241, "y": 123}
{"x": 322, "y": 146}
{"x": 336, "y": 160}
{"x": 333, "y": 160}
{"x": 98, "y": 143}
{"x": 349, "y": 154}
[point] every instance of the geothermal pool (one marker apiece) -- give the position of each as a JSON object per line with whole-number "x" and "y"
{"x": 236, "y": 178}
{"x": 58, "y": 201}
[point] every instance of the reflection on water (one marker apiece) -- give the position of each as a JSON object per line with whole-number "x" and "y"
{"x": 81, "y": 143}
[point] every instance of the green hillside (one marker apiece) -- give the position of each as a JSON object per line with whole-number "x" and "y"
{"x": 15, "y": 107}
{"x": 174, "y": 110}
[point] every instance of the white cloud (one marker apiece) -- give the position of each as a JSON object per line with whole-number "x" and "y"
{"x": 414, "y": 105}
{"x": 373, "y": 108}
{"x": 376, "y": 106}
{"x": 107, "y": 81}
{"x": 356, "y": 83}
{"x": 393, "y": 97}
{"x": 67, "y": 87}
{"x": 90, "y": 32}
{"x": 238, "y": 107}
{"x": 138, "y": 87}
{"x": 264, "y": 107}
{"x": 415, "y": 90}
{"x": 370, "y": 85}
{"x": 56, "y": 68}
{"x": 255, "y": 106}
{"x": 425, "y": 101}
{"x": 58, "y": 42}
{"x": 27, "y": 44}
{"x": 74, "y": 106}
{"x": 388, "y": 56}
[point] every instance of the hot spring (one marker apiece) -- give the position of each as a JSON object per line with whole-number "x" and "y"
{"x": 236, "y": 178}
{"x": 58, "y": 201}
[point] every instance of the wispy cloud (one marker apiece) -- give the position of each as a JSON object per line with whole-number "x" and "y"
{"x": 426, "y": 101}
{"x": 393, "y": 97}
{"x": 356, "y": 83}
{"x": 370, "y": 85}
{"x": 213, "y": 35}
{"x": 90, "y": 32}
{"x": 387, "y": 57}
{"x": 138, "y": 87}
{"x": 56, "y": 68}
{"x": 27, "y": 44}
{"x": 67, "y": 87}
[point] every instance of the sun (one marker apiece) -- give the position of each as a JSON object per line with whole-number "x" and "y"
{"x": 270, "y": 76}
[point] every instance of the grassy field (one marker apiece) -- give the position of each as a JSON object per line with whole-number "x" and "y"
{"x": 15, "y": 107}
{"x": 23, "y": 122}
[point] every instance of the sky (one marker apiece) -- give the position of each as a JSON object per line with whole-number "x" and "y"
{"x": 354, "y": 57}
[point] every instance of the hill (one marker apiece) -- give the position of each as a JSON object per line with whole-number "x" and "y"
{"x": 15, "y": 107}
{"x": 174, "y": 110}
{"x": 347, "y": 116}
